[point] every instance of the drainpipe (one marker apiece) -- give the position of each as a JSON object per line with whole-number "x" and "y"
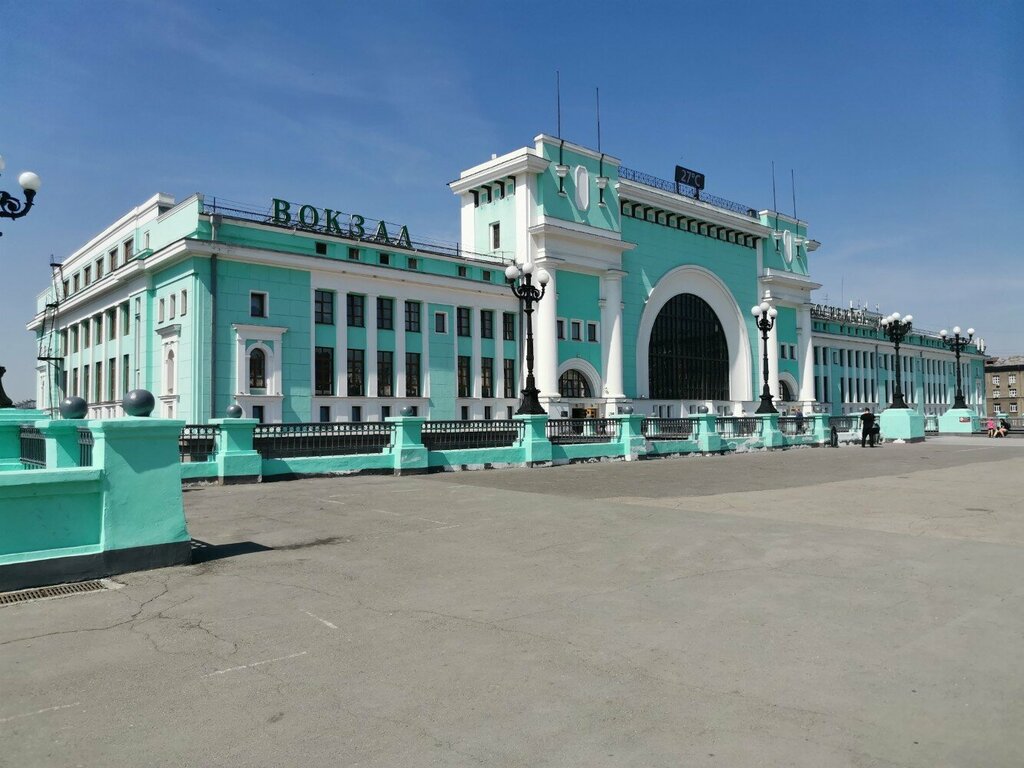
{"x": 215, "y": 221}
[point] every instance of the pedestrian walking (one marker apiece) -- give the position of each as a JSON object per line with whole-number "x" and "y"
{"x": 867, "y": 428}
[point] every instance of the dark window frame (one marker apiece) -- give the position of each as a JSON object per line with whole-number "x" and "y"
{"x": 463, "y": 321}
{"x": 356, "y": 372}
{"x": 355, "y": 310}
{"x": 413, "y": 315}
{"x": 323, "y": 371}
{"x": 385, "y": 373}
{"x": 385, "y": 313}
{"x": 323, "y": 307}
{"x": 465, "y": 376}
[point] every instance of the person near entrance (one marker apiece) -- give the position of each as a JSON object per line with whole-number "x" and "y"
{"x": 867, "y": 428}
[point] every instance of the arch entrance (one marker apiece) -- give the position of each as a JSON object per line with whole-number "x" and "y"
{"x": 688, "y": 353}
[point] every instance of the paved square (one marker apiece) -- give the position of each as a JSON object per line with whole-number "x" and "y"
{"x": 811, "y": 607}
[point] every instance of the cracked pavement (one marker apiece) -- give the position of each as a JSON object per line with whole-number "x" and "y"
{"x": 816, "y": 607}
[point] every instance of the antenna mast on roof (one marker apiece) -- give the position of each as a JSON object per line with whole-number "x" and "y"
{"x": 792, "y": 180}
{"x": 597, "y": 91}
{"x": 558, "y": 102}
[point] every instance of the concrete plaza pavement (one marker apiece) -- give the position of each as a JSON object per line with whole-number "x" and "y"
{"x": 813, "y": 607}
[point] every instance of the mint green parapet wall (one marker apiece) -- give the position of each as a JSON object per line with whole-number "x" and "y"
{"x": 50, "y": 513}
{"x": 774, "y": 258}
{"x": 551, "y": 203}
{"x": 501, "y": 211}
{"x": 658, "y": 251}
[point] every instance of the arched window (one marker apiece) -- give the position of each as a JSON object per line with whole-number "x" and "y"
{"x": 688, "y": 355}
{"x": 573, "y": 385}
{"x": 785, "y": 393}
{"x": 257, "y": 369}
{"x": 169, "y": 373}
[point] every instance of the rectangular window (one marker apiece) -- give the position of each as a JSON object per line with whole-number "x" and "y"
{"x": 356, "y": 304}
{"x": 111, "y": 324}
{"x": 1011, "y": 378}
{"x": 509, "y": 375}
{"x": 324, "y": 370}
{"x": 74, "y": 382}
{"x": 127, "y": 248}
{"x": 87, "y": 272}
{"x": 357, "y": 413}
{"x": 486, "y": 324}
{"x": 488, "y": 412}
{"x": 463, "y": 272}
{"x": 463, "y": 321}
{"x": 99, "y": 382}
{"x": 320, "y": 248}
{"x": 485, "y": 275}
{"x": 257, "y": 304}
{"x": 76, "y": 283}
{"x": 385, "y": 374}
{"x": 173, "y": 304}
{"x": 508, "y": 412}
{"x": 257, "y": 413}
{"x": 112, "y": 378}
{"x": 97, "y": 324}
{"x": 385, "y": 412}
{"x": 508, "y": 326}
{"x": 67, "y": 288}
{"x": 125, "y": 321}
{"x": 353, "y": 254}
{"x": 561, "y": 329}
{"x": 356, "y": 370}
{"x": 465, "y": 382}
{"x": 323, "y": 307}
{"x": 440, "y": 322}
{"x": 816, "y": 358}
{"x": 126, "y": 377}
{"x": 86, "y": 338}
{"x": 112, "y": 259}
{"x": 495, "y": 236}
{"x": 325, "y": 413}
{"x": 591, "y": 331}
{"x": 184, "y": 303}
{"x": 64, "y": 342}
{"x": 412, "y": 316}
{"x": 465, "y": 413}
{"x": 385, "y": 313}
{"x": 577, "y": 330}
{"x": 385, "y": 259}
{"x": 74, "y": 338}
{"x": 99, "y": 268}
{"x": 487, "y": 377}
{"x": 414, "y": 263}
{"x": 412, "y": 374}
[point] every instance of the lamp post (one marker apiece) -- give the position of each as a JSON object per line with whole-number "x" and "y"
{"x": 529, "y": 294}
{"x": 958, "y": 344}
{"x": 10, "y": 206}
{"x": 896, "y": 329}
{"x": 765, "y": 320}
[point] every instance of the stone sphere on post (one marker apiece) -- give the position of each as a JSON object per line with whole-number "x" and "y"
{"x": 406, "y": 410}
{"x": 139, "y": 402}
{"x": 73, "y": 408}
{"x": 627, "y": 409}
{"x": 234, "y": 411}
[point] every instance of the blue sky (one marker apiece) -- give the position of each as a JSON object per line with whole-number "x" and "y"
{"x": 902, "y": 122}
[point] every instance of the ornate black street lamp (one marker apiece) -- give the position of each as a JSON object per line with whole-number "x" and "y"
{"x": 764, "y": 315}
{"x": 958, "y": 344}
{"x": 897, "y": 330}
{"x": 529, "y": 294}
{"x": 13, "y": 208}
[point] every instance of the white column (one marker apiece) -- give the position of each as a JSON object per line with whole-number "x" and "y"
{"x": 341, "y": 343}
{"x": 525, "y": 183}
{"x": 468, "y": 221}
{"x": 476, "y": 366}
{"x": 370, "y": 316}
{"x": 804, "y": 341}
{"x": 545, "y": 337}
{"x": 611, "y": 334}
{"x": 399, "y": 324}
{"x": 773, "y": 361}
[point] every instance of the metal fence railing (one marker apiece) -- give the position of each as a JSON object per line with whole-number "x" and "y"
{"x": 198, "y": 442}
{"x": 33, "y": 448}
{"x": 85, "y": 443}
{"x": 792, "y": 425}
{"x": 737, "y": 426}
{"x": 843, "y": 423}
{"x": 285, "y": 441}
{"x": 667, "y": 429}
{"x": 459, "y": 435}
{"x": 569, "y": 431}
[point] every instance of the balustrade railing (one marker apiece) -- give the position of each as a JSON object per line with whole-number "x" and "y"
{"x": 85, "y": 443}
{"x": 843, "y": 423}
{"x": 285, "y": 441}
{"x": 737, "y": 426}
{"x": 668, "y": 429}
{"x": 570, "y": 431}
{"x": 792, "y": 425}
{"x": 198, "y": 442}
{"x": 460, "y": 435}
{"x": 33, "y": 448}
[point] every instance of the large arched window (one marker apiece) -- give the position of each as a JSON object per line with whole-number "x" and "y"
{"x": 785, "y": 393}
{"x": 688, "y": 355}
{"x": 257, "y": 369}
{"x": 573, "y": 385}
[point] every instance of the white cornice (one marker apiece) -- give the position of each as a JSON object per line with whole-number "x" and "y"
{"x": 784, "y": 217}
{"x": 546, "y": 138}
{"x": 788, "y": 279}
{"x": 580, "y": 234}
{"x": 138, "y": 212}
{"x": 271, "y": 332}
{"x": 523, "y": 160}
{"x": 687, "y": 206}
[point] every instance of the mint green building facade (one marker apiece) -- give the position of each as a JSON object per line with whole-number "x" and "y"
{"x": 304, "y": 314}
